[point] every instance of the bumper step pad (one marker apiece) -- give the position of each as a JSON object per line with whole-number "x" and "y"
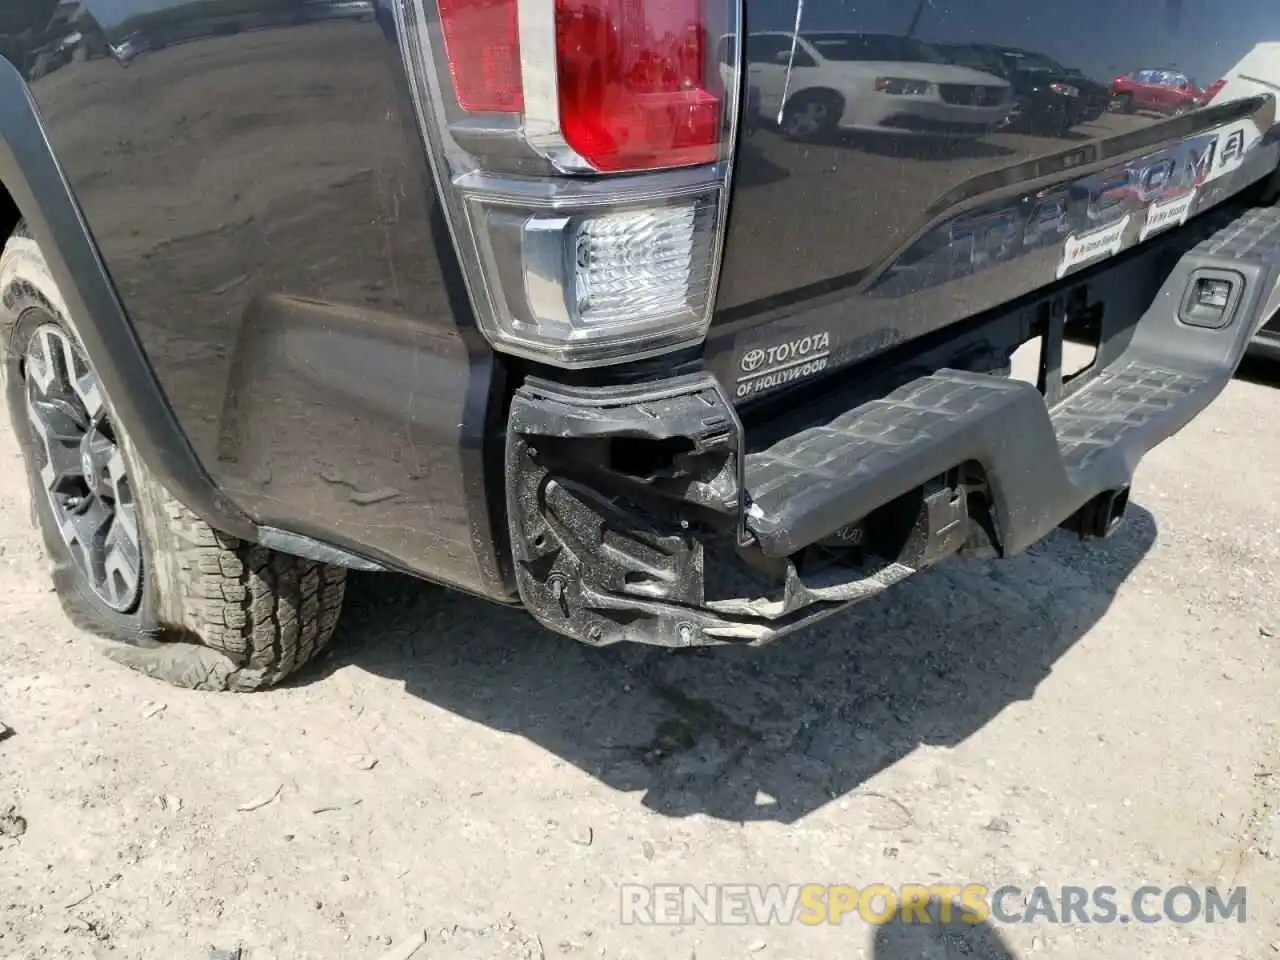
{"x": 1042, "y": 464}
{"x": 1121, "y": 403}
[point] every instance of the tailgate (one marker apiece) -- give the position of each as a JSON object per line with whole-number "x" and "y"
{"x": 903, "y": 208}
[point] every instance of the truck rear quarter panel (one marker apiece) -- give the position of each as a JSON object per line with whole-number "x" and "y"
{"x": 254, "y": 179}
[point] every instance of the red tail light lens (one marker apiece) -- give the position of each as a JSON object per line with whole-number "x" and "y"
{"x": 482, "y": 42}
{"x": 638, "y": 90}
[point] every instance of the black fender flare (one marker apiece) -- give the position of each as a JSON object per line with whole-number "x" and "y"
{"x": 35, "y": 180}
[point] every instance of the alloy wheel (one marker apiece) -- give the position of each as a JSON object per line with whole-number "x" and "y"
{"x": 1017, "y": 110}
{"x": 808, "y": 119}
{"x": 82, "y": 469}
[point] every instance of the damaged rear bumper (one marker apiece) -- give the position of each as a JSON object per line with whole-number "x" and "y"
{"x": 648, "y": 513}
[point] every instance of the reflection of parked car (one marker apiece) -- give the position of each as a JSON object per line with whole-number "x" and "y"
{"x": 870, "y": 82}
{"x": 130, "y": 47}
{"x": 133, "y": 45}
{"x": 1258, "y": 72}
{"x": 1170, "y": 92}
{"x": 1210, "y": 92}
{"x": 1047, "y": 97}
{"x": 316, "y": 10}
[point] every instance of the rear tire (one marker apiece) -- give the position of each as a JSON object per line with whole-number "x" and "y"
{"x": 178, "y": 599}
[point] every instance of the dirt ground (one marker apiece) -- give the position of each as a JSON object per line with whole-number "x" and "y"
{"x": 1081, "y": 715}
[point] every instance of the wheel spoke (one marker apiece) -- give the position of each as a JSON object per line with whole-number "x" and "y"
{"x": 87, "y": 526}
{"x": 60, "y": 420}
{"x": 126, "y": 527}
{"x": 49, "y": 373}
{"x": 83, "y": 470}
{"x": 63, "y": 465}
{"x": 39, "y": 371}
{"x": 90, "y": 394}
{"x": 103, "y": 462}
{"x": 66, "y": 358}
{"x": 112, "y": 467}
{"x": 122, "y": 563}
{"x": 59, "y": 441}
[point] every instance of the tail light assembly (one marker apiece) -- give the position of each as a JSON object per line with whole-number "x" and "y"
{"x": 583, "y": 151}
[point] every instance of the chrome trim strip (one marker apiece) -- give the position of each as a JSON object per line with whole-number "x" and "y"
{"x": 536, "y": 20}
{"x": 544, "y": 252}
{"x": 580, "y": 193}
{"x": 736, "y": 101}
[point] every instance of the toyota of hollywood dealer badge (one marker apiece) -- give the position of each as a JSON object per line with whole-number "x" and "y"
{"x": 764, "y": 368}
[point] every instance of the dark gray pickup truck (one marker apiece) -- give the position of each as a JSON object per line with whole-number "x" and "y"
{"x": 682, "y": 322}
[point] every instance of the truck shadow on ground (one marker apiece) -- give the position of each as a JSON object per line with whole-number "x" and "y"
{"x": 1265, "y": 373}
{"x": 741, "y": 734}
{"x": 947, "y": 935}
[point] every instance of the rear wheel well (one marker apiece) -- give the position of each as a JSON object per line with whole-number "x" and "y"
{"x": 817, "y": 93}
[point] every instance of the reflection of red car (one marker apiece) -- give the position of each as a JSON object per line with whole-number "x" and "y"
{"x": 1161, "y": 91}
{"x": 1210, "y": 92}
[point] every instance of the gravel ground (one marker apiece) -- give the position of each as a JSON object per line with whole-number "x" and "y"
{"x": 1084, "y": 714}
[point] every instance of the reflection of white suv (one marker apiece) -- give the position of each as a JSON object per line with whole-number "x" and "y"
{"x": 863, "y": 81}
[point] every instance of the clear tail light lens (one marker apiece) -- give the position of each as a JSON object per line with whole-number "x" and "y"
{"x": 642, "y": 262}
{"x": 582, "y": 150}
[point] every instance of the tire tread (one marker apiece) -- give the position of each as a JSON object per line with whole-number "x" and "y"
{"x": 271, "y": 613}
